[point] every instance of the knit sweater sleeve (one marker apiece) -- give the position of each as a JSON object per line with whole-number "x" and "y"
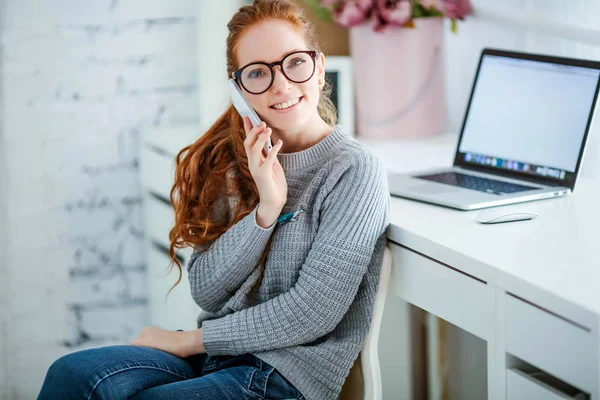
{"x": 217, "y": 272}
{"x": 352, "y": 217}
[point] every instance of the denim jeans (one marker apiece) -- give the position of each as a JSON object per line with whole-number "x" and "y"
{"x": 142, "y": 373}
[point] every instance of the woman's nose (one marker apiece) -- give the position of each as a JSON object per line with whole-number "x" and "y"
{"x": 280, "y": 82}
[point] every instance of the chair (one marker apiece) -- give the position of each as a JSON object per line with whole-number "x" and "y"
{"x": 365, "y": 374}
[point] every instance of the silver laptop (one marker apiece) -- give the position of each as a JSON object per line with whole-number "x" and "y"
{"x": 522, "y": 138}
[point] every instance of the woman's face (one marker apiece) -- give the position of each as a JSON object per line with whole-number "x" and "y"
{"x": 270, "y": 41}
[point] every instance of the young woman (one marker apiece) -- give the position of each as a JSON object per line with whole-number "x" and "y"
{"x": 288, "y": 246}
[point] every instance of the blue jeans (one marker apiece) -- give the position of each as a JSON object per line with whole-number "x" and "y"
{"x": 138, "y": 373}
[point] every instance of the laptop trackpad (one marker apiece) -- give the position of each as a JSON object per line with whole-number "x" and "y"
{"x": 430, "y": 189}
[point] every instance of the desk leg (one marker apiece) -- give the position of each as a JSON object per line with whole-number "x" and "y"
{"x": 497, "y": 373}
{"x": 433, "y": 358}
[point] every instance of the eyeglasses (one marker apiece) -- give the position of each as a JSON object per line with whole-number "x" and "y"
{"x": 258, "y": 77}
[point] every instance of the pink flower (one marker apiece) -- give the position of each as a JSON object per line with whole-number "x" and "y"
{"x": 457, "y": 8}
{"x": 350, "y": 13}
{"x": 392, "y": 13}
{"x": 384, "y": 14}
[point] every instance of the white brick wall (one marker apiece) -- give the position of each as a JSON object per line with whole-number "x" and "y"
{"x": 79, "y": 83}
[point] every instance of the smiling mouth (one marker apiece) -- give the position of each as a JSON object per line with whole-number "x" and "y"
{"x": 287, "y": 105}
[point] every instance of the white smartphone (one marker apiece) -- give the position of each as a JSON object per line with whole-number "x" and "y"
{"x": 244, "y": 109}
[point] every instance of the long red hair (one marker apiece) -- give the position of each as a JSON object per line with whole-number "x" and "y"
{"x": 215, "y": 167}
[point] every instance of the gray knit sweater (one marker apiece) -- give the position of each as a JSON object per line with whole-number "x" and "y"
{"x": 314, "y": 303}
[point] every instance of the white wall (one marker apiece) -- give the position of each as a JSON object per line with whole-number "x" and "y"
{"x": 546, "y": 26}
{"x": 80, "y": 82}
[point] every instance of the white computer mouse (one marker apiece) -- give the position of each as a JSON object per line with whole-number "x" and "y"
{"x": 500, "y": 216}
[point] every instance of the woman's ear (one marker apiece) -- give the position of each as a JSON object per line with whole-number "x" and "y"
{"x": 321, "y": 70}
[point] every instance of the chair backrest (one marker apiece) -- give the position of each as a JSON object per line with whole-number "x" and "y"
{"x": 369, "y": 356}
{"x": 364, "y": 379}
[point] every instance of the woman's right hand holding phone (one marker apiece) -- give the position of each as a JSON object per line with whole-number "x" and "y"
{"x": 266, "y": 172}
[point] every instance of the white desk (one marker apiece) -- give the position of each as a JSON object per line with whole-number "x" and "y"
{"x": 530, "y": 289}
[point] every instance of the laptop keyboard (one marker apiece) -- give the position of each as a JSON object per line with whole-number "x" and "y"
{"x": 476, "y": 183}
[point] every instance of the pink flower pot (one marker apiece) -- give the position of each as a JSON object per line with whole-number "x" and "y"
{"x": 399, "y": 80}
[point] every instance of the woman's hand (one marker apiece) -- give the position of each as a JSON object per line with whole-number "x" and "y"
{"x": 179, "y": 343}
{"x": 266, "y": 171}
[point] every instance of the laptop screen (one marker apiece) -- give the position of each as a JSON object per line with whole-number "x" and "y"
{"x": 529, "y": 117}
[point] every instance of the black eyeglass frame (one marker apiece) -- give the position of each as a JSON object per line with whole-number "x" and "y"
{"x": 237, "y": 75}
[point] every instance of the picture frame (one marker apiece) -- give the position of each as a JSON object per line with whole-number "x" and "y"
{"x": 338, "y": 72}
